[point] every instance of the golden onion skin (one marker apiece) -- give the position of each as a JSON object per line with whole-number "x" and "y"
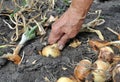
{"x": 106, "y": 54}
{"x": 64, "y": 79}
{"x": 116, "y": 73}
{"x": 100, "y": 72}
{"x": 51, "y": 50}
{"x": 82, "y": 69}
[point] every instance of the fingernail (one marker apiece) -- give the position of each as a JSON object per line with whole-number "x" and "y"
{"x": 60, "y": 47}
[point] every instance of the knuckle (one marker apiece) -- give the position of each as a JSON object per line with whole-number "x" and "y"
{"x": 55, "y": 28}
{"x": 73, "y": 33}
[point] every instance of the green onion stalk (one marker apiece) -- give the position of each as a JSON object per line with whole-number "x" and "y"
{"x": 26, "y": 36}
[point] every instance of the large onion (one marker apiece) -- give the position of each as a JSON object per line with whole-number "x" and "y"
{"x": 100, "y": 73}
{"x": 82, "y": 69}
{"x": 51, "y": 50}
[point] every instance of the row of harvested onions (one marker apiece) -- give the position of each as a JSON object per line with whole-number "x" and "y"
{"x": 105, "y": 68}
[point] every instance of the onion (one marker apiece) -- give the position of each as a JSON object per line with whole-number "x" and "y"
{"x": 100, "y": 73}
{"x": 106, "y": 54}
{"x": 26, "y": 36}
{"x": 82, "y": 69}
{"x": 97, "y": 44}
{"x": 116, "y": 73}
{"x": 64, "y": 79}
{"x": 51, "y": 50}
{"x": 12, "y": 57}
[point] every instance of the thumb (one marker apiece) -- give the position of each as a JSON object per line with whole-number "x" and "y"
{"x": 62, "y": 41}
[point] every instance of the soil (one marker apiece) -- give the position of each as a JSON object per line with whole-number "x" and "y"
{"x": 53, "y": 68}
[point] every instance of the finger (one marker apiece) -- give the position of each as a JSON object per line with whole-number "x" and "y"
{"x": 62, "y": 41}
{"x": 54, "y": 36}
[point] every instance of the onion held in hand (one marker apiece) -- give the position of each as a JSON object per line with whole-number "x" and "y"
{"x": 82, "y": 69}
{"x": 51, "y": 50}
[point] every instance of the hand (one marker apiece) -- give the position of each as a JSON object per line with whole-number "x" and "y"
{"x": 66, "y": 27}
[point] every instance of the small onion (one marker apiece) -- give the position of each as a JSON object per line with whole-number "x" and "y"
{"x": 82, "y": 69}
{"x": 106, "y": 54}
{"x": 100, "y": 73}
{"x": 64, "y": 79}
{"x": 51, "y": 50}
{"x": 15, "y": 58}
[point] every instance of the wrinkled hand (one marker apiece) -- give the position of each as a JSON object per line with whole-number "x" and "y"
{"x": 66, "y": 27}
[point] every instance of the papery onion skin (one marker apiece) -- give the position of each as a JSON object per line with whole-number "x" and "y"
{"x": 97, "y": 44}
{"x": 15, "y": 58}
{"x": 116, "y": 73}
{"x": 51, "y": 50}
{"x": 82, "y": 69}
{"x": 106, "y": 54}
{"x": 64, "y": 79}
{"x": 100, "y": 72}
{"x": 98, "y": 77}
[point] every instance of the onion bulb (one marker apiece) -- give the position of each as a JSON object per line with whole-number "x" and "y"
{"x": 97, "y": 44}
{"x": 106, "y": 54}
{"x": 100, "y": 72}
{"x": 116, "y": 73}
{"x": 15, "y": 58}
{"x": 51, "y": 50}
{"x": 82, "y": 69}
{"x": 64, "y": 79}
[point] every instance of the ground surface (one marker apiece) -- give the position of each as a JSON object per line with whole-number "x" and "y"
{"x": 53, "y": 68}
